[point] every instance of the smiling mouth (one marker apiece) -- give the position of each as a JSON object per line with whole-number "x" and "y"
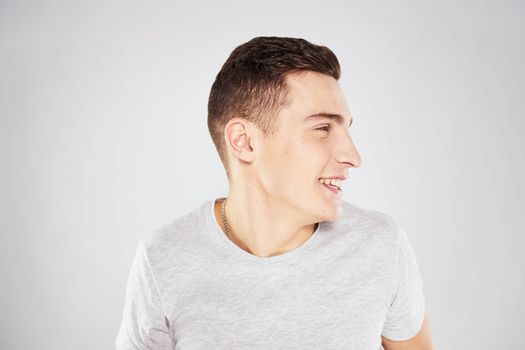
{"x": 332, "y": 188}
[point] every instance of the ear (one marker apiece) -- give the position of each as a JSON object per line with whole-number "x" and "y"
{"x": 238, "y": 136}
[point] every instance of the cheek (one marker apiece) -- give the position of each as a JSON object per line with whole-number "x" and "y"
{"x": 298, "y": 161}
{"x": 274, "y": 168}
{"x": 308, "y": 154}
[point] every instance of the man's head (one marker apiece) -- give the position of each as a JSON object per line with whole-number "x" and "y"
{"x": 257, "y": 118}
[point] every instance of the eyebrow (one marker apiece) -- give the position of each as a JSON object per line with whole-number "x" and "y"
{"x": 339, "y": 119}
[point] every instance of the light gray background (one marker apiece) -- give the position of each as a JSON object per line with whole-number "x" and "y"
{"x": 103, "y": 138}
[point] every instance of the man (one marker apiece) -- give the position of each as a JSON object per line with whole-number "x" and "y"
{"x": 282, "y": 262}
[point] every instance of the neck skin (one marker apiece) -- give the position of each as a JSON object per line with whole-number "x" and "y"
{"x": 262, "y": 227}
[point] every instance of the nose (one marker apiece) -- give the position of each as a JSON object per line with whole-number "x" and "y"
{"x": 348, "y": 152}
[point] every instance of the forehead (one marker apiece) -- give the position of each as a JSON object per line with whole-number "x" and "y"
{"x": 313, "y": 93}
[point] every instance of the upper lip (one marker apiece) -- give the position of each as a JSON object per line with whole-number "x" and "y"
{"x": 340, "y": 177}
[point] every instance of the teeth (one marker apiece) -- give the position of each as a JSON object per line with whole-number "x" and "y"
{"x": 334, "y": 182}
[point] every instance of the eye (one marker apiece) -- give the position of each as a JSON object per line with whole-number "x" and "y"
{"x": 325, "y": 128}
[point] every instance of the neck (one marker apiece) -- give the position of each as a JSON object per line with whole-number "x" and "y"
{"x": 262, "y": 226}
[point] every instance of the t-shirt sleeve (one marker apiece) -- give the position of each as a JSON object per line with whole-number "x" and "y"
{"x": 405, "y": 316}
{"x": 144, "y": 323}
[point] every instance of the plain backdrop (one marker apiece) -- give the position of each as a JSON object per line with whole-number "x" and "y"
{"x": 103, "y": 138}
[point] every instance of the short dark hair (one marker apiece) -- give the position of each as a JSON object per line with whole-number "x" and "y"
{"x": 251, "y": 83}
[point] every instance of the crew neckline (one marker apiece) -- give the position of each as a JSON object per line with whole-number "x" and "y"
{"x": 220, "y": 236}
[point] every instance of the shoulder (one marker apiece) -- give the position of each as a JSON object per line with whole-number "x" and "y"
{"x": 366, "y": 226}
{"x": 174, "y": 237}
{"x": 363, "y": 218}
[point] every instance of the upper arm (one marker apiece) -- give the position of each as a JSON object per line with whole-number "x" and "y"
{"x": 421, "y": 341}
{"x": 144, "y": 323}
{"x": 405, "y": 322}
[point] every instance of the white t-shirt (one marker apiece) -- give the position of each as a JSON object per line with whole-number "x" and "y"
{"x": 352, "y": 281}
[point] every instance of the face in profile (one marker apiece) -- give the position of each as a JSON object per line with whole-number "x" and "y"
{"x": 306, "y": 149}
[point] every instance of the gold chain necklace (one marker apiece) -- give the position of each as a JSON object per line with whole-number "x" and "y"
{"x": 224, "y": 220}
